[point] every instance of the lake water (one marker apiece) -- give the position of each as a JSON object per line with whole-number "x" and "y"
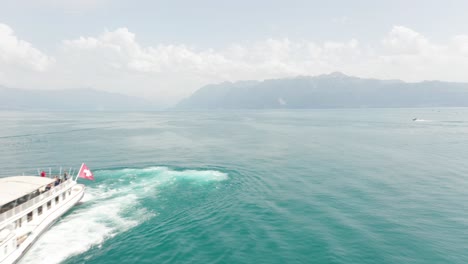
{"x": 314, "y": 186}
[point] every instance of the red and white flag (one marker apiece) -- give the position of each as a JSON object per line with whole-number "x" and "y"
{"x": 85, "y": 173}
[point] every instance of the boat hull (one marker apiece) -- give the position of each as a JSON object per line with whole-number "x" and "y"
{"x": 77, "y": 192}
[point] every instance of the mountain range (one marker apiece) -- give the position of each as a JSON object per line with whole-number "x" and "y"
{"x": 335, "y": 90}
{"x": 69, "y": 100}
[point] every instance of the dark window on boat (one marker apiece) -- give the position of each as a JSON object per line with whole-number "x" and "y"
{"x": 49, "y": 204}
{"x": 7, "y": 207}
{"x": 69, "y": 191}
{"x": 64, "y": 195}
{"x": 39, "y": 210}
{"x": 22, "y": 200}
{"x": 57, "y": 199}
{"x": 30, "y": 216}
{"x": 19, "y": 222}
{"x": 34, "y": 194}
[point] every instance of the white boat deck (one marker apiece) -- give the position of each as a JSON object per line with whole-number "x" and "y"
{"x": 12, "y": 188}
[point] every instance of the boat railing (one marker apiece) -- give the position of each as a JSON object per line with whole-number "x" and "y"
{"x": 27, "y": 205}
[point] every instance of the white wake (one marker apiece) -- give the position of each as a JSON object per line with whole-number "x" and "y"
{"x": 108, "y": 209}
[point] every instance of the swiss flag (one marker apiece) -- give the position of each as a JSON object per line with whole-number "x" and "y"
{"x": 85, "y": 173}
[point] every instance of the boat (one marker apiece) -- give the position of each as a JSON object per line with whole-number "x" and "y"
{"x": 29, "y": 205}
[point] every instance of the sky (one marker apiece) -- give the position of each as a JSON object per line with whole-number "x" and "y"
{"x": 165, "y": 50}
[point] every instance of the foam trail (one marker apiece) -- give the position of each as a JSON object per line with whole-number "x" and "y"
{"x": 105, "y": 210}
{"x": 83, "y": 229}
{"x": 201, "y": 176}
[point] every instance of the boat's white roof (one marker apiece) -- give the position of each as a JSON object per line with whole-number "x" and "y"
{"x": 12, "y": 188}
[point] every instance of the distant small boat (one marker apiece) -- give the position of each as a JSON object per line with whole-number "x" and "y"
{"x": 414, "y": 119}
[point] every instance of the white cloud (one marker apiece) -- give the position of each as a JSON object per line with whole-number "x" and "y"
{"x": 460, "y": 43}
{"x": 119, "y": 50}
{"x": 15, "y": 52}
{"x": 402, "y": 40}
{"x": 116, "y": 61}
{"x": 410, "y": 56}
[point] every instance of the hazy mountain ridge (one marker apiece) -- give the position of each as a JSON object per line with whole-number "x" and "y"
{"x": 335, "y": 90}
{"x": 69, "y": 100}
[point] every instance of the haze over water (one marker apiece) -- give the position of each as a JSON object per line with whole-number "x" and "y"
{"x": 314, "y": 186}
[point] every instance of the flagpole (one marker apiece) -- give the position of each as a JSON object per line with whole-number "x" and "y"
{"x": 79, "y": 172}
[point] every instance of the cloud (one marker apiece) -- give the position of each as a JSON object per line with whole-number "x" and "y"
{"x": 116, "y": 61}
{"x": 15, "y": 52}
{"x": 118, "y": 50}
{"x": 172, "y": 71}
{"x": 460, "y": 44}
{"x": 408, "y": 55}
{"x": 402, "y": 40}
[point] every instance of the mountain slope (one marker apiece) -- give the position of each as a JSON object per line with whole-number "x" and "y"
{"x": 69, "y": 100}
{"x": 334, "y": 90}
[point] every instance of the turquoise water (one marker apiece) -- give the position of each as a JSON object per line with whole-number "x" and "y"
{"x": 316, "y": 186}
